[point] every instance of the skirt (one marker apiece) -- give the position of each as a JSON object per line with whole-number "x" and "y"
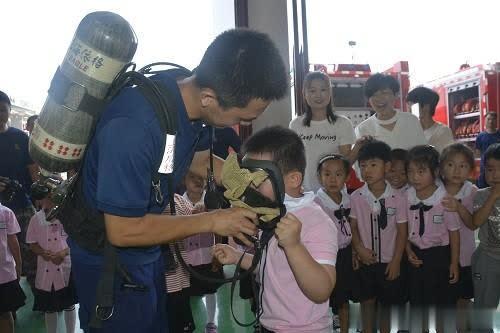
{"x": 55, "y": 301}
{"x": 12, "y": 296}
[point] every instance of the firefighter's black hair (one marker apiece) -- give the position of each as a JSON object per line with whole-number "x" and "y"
{"x": 240, "y": 65}
{"x": 4, "y": 98}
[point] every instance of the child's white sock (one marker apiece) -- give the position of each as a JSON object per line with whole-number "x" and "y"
{"x": 51, "y": 322}
{"x": 211, "y": 303}
{"x": 70, "y": 319}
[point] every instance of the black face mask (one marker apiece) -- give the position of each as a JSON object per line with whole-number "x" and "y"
{"x": 254, "y": 198}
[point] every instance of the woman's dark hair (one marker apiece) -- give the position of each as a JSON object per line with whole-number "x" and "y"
{"x": 424, "y": 96}
{"x": 379, "y": 82}
{"x": 454, "y": 149}
{"x": 332, "y": 117}
{"x": 241, "y": 65}
{"x": 425, "y": 156}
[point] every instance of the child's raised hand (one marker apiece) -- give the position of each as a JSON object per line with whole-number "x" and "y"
{"x": 454, "y": 273}
{"x": 392, "y": 270}
{"x": 450, "y": 203}
{"x": 412, "y": 258}
{"x": 225, "y": 254}
{"x": 366, "y": 256}
{"x": 288, "y": 231}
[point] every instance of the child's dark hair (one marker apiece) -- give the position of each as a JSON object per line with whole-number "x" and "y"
{"x": 493, "y": 151}
{"x": 334, "y": 157}
{"x": 332, "y": 117}
{"x": 4, "y": 98}
{"x": 379, "y": 82}
{"x": 284, "y": 145}
{"x": 424, "y": 96}
{"x": 399, "y": 154}
{"x": 454, "y": 149}
{"x": 240, "y": 65}
{"x": 375, "y": 149}
{"x": 424, "y": 156}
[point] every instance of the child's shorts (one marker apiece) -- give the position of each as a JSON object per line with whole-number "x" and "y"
{"x": 430, "y": 283}
{"x": 55, "y": 300}
{"x": 343, "y": 286}
{"x": 372, "y": 283}
{"x": 201, "y": 287}
{"x": 12, "y": 296}
{"x": 465, "y": 287}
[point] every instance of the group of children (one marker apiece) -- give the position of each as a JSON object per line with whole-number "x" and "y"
{"x": 407, "y": 235}
{"x": 54, "y": 293}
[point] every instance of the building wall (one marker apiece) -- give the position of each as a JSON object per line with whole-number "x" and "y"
{"x": 271, "y": 17}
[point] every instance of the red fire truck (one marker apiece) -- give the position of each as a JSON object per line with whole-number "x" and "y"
{"x": 464, "y": 99}
{"x": 348, "y": 83}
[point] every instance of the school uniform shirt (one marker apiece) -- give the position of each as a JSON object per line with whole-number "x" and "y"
{"x": 407, "y": 132}
{"x": 286, "y": 308}
{"x": 8, "y": 226}
{"x": 438, "y": 222}
{"x": 375, "y": 233}
{"x": 467, "y": 240}
{"x": 339, "y": 214}
{"x": 321, "y": 138}
{"x": 50, "y": 236}
{"x": 199, "y": 247}
{"x": 439, "y": 136}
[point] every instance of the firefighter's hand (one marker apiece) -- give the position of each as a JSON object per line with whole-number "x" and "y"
{"x": 454, "y": 273}
{"x": 236, "y": 222}
{"x": 288, "y": 231}
{"x": 226, "y": 254}
{"x": 412, "y": 257}
{"x": 392, "y": 270}
{"x": 366, "y": 256}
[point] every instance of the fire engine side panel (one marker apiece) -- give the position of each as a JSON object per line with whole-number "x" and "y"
{"x": 441, "y": 114}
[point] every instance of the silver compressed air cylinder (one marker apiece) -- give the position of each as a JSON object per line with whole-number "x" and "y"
{"x": 103, "y": 44}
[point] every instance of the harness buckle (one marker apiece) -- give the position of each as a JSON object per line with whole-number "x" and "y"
{"x": 104, "y": 312}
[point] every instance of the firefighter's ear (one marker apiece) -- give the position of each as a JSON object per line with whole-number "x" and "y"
{"x": 208, "y": 98}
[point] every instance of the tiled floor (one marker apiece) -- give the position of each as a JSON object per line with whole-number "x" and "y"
{"x": 33, "y": 322}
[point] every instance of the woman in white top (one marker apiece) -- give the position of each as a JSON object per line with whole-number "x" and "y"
{"x": 322, "y": 131}
{"x": 397, "y": 129}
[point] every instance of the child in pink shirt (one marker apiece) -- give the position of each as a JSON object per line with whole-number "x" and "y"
{"x": 54, "y": 290}
{"x": 11, "y": 295}
{"x": 379, "y": 233}
{"x": 434, "y": 241}
{"x": 333, "y": 171}
{"x": 199, "y": 252}
{"x": 397, "y": 174}
{"x": 299, "y": 271}
{"x": 456, "y": 165}
{"x": 179, "y": 314}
